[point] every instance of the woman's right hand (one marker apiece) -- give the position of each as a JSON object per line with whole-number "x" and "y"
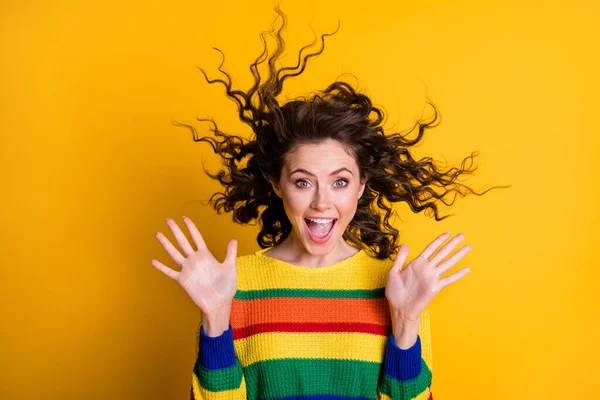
{"x": 210, "y": 284}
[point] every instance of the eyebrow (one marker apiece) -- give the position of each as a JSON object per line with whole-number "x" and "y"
{"x": 337, "y": 171}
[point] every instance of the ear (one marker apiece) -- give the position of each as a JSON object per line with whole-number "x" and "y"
{"x": 362, "y": 188}
{"x": 276, "y": 187}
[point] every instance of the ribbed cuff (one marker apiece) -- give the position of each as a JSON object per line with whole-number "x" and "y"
{"x": 218, "y": 351}
{"x": 403, "y": 364}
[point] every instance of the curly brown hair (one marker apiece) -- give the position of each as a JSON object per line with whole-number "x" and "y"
{"x": 341, "y": 113}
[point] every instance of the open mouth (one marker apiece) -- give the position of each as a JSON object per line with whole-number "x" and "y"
{"x": 319, "y": 229}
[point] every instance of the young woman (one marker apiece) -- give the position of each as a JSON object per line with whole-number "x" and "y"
{"x": 327, "y": 308}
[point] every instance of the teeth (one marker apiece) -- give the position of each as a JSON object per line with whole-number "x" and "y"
{"x": 320, "y": 221}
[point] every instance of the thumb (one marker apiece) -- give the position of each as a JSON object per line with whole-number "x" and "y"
{"x": 231, "y": 252}
{"x": 400, "y": 258}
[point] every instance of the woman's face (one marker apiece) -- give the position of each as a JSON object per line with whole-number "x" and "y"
{"x": 320, "y": 187}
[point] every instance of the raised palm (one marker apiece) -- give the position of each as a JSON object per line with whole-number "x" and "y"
{"x": 210, "y": 284}
{"x": 410, "y": 290}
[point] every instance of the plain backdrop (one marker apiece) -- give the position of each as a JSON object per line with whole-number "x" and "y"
{"x": 92, "y": 165}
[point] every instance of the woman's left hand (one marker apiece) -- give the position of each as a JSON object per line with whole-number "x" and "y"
{"x": 411, "y": 289}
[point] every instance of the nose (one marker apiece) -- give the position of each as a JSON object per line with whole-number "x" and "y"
{"x": 321, "y": 199}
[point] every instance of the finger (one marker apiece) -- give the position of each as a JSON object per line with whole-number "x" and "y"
{"x": 180, "y": 236}
{"x": 447, "y": 249}
{"x": 231, "y": 252}
{"x": 401, "y": 258}
{"x": 166, "y": 270}
{"x": 196, "y": 236}
{"x": 171, "y": 250}
{"x": 451, "y": 261}
{"x": 433, "y": 246}
{"x": 454, "y": 277}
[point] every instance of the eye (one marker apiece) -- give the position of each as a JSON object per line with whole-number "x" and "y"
{"x": 343, "y": 182}
{"x": 301, "y": 183}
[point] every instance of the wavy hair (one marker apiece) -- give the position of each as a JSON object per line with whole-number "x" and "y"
{"x": 340, "y": 113}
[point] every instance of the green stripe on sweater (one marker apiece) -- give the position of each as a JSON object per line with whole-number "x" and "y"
{"x": 350, "y": 378}
{"x": 324, "y": 293}
{"x": 291, "y": 376}
{"x": 219, "y": 380}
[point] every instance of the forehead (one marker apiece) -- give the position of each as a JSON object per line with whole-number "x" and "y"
{"x": 320, "y": 157}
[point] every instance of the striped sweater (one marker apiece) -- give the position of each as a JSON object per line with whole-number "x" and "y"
{"x": 311, "y": 333}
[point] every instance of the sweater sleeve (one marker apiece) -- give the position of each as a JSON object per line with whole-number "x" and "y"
{"x": 217, "y": 372}
{"x": 407, "y": 373}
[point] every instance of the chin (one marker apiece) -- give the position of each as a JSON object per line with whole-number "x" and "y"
{"x": 318, "y": 249}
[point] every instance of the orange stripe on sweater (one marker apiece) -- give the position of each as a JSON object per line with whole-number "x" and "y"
{"x": 309, "y": 309}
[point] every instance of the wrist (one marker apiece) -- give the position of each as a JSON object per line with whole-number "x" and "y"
{"x": 403, "y": 319}
{"x": 405, "y": 331}
{"x": 216, "y": 322}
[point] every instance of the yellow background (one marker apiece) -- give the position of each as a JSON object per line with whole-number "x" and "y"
{"x": 92, "y": 166}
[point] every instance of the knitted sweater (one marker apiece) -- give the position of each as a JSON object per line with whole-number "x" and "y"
{"x": 311, "y": 333}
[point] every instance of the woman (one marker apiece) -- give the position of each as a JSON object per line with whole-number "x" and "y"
{"x": 326, "y": 307}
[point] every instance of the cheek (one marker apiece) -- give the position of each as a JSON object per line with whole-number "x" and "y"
{"x": 295, "y": 205}
{"x": 347, "y": 203}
